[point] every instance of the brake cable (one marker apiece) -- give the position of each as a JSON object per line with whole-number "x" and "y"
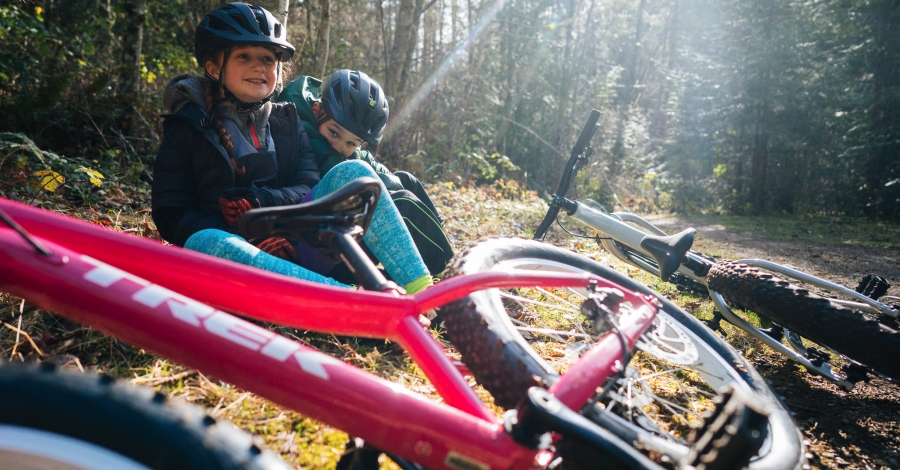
{"x": 38, "y": 246}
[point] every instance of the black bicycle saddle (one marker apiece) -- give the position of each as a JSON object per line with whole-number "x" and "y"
{"x": 350, "y": 206}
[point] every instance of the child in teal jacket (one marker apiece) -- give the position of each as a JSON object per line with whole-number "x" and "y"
{"x": 340, "y": 115}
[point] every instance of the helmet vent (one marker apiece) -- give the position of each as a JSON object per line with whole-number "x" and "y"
{"x": 337, "y": 90}
{"x": 277, "y": 30}
{"x": 372, "y": 96}
{"x": 242, "y": 21}
{"x": 221, "y": 25}
{"x": 261, "y": 20}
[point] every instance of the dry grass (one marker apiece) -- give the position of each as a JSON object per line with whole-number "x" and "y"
{"x": 471, "y": 213}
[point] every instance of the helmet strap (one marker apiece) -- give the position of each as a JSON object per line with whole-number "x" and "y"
{"x": 322, "y": 116}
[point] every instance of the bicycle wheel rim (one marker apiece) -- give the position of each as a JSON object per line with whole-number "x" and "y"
{"x": 33, "y": 449}
{"x": 644, "y": 395}
{"x": 783, "y": 448}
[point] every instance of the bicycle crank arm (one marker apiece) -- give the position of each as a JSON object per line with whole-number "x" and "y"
{"x": 865, "y": 304}
{"x": 542, "y": 412}
{"x": 824, "y": 370}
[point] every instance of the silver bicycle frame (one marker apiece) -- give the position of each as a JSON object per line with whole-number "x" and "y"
{"x": 824, "y": 370}
{"x": 591, "y": 217}
{"x": 616, "y": 223}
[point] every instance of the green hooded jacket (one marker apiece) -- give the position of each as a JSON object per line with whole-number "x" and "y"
{"x": 303, "y": 92}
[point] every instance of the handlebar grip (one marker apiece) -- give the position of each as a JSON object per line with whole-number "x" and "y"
{"x": 587, "y": 132}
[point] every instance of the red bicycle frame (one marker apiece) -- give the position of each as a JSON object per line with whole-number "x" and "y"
{"x": 170, "y": 301}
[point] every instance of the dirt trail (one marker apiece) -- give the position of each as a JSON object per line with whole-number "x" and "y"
{"x": 845, "y": 430}
{"x": 840, "y": 264}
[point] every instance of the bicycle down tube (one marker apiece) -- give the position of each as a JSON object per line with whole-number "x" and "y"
{"x": 134, "y": 301}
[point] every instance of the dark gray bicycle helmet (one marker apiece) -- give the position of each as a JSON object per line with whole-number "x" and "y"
{"x": 357, "y": 103}
{"x": 240, "y": 23}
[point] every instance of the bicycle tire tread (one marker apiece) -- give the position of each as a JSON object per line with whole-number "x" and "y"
{"x": 810, "y": 315}
{"x": 133, "y": 421}
{"x": 508, "y": 379}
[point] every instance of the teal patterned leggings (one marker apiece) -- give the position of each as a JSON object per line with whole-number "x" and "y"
{"x": 387, "y": 236}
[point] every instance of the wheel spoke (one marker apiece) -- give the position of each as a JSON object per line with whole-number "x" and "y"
{"x": 646, "y": 393}
{"x": 571, "y": 309}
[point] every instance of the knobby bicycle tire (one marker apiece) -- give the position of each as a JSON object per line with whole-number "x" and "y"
{"x": 504, "y": 362}
{"x": 99, "y": 417}
{"x": 814, "y": 317}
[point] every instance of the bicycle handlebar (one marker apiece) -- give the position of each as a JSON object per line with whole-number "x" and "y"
{"x": 587, "y": 133}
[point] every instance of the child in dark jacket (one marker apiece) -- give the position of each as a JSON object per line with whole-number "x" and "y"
{"x": 228, "y": 149}
{"x": 348, "y": 109}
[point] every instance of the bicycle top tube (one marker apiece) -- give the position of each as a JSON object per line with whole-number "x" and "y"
{"x": 256, "y": 293}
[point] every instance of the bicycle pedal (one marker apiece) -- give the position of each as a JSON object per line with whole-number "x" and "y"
{"x": 817, "y": 357}
{"x": 730, "y": 436}
{"x": 715, "y": 323}
{"x": 855, "y": 372}
{"x": 873, "y": 286}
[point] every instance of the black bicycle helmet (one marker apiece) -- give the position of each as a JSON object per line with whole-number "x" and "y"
{"x": 240, "y": 23}
{"x": 357, "y": 103}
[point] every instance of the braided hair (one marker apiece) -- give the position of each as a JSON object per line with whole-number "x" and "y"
{"x": 213, "y": 94}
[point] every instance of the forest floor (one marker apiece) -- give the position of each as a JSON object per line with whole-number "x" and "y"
{"x": 857, "y": 429}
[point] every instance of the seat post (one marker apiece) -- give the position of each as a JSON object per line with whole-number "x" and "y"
{"x": 363, "y": 269}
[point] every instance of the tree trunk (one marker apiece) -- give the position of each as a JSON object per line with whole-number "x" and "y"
{"x": 323, "y": 38}
{"x": 454, "y": 22}
{"x": 130, "y": 72}
{"x": 406, "y": 37}
{"x": 626, "y": 93}
{"x": 759, "y": 159}
{"x": 509, "y": 93}
{"x": 659, "y": 126}
{"x": 278, "y": 8}
{"x": 629, "y": 81}
{"x": 411, "y": 42}
{"x": 882, "y": 172}
{"x": 403, "y": 36}
{"x": 385, "y": 37}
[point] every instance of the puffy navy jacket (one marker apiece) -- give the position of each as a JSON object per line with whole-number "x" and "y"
{"x": 192, "y": 171}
